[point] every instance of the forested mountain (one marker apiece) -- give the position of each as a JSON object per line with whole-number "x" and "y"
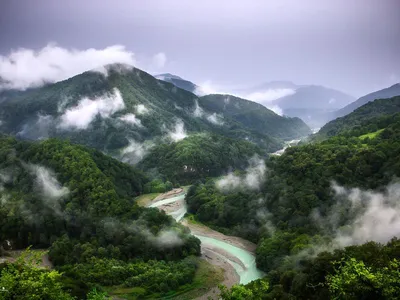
{"x": 178, "y": 82}
{"x": 315, "y": 105}
{"x": 389, "y": 92}
{"x": 359, "y": 117}
{"x": 79, "y": 203}
{"x": 117, "y": 108}
{"x": 199, "y": 156}
{"x": 316, "y": 198}
{"x": 255, "y": 116}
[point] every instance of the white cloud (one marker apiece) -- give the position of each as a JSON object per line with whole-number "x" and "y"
{"x": 375, "y": 216}
{"x": 131, "y": 119}
{"x": 252, "y": 179}
{"x": 80, "y": 116}
{"x": 212, "y": 118}
{"x": 198, "y": 111}
{"x": 207, "y": 88}
{"x": 178, "y": 133}
{"x": 135, "y": 151}
{"x": 47, "y": 183}
{"x": 265, "y": 97}
{"x": 24, "y": 68}
{"x": 215, "y": 119}
{"x": 159, "y": 60}
{"x": 141, "y": 109}
{"x": 270, "y": 95}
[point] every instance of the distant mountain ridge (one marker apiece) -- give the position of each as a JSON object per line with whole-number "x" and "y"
{"x": 178, "y": 82}
{"x": 312, "y": 103}
{"x": 367, "y": 112}
{"x": 389, "y": 92}
{"x": 123, "y": 111}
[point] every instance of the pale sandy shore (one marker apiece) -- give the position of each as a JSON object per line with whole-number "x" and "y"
{"x": 170, "y": 194}
{"x": 203, "y": 230}
{"x": 230, "y": 275}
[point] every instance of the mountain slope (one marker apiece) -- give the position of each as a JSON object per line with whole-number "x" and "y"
{"x": 117, "y": 108}
{"x": 389, "y": 92}
{"x": 255, "y": 116}
{"x": 178, "y": 82}
{"x": 359, "y": 117}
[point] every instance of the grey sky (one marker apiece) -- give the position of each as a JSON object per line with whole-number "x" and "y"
{"x": 352, "y": 45}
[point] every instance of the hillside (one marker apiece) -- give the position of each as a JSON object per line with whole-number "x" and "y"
{"x": 359, "y": 117}
{"x": 117, "y": 108}
{"x": 79, "y": 203}
{"x": 199, "y": 156}
{"x": 255, "y": 116}
{"x": 389, "y": 92}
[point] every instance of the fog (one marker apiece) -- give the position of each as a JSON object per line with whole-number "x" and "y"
{"x": 177, "y": 132}
{"x": 252, "y": 178}
{"x": 80, "y": 116}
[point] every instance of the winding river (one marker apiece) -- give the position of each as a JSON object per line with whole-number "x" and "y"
{"x": 242, "y": 260}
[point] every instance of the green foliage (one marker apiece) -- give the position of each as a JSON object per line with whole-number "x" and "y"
{"x": 199, "y": 156}
{"x": 358, "y": 118}
{"x": 157, "y": 186}
{"x": 252, "y": 291}
{"x": 24, "y": 279}
{"x": 96, "y": 221}
{"x": 97, "y": 295}
{"x": 354, "y": 280}
{"x": 154, "y": 276}
{"x": 36, "y": 113}
{"x": 298, "y": 183}
{"x": 255, "y": 116}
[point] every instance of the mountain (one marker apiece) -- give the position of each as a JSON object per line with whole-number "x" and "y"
{"x": 178, "y": 82}
{"x": 255, "y": 116}
{"x": 359, "y": 117}
{"x": 389, "y": 92}
{"x": 271, "y": 85}
{"x": 313, "y": 104}
{"x": 124, "y": 111}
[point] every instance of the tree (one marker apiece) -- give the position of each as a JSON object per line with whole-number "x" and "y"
{"x": 354, "y": 280}
{"x": 24, "y": 279}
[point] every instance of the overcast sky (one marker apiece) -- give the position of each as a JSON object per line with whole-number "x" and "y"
{"x": 351, "y": 45}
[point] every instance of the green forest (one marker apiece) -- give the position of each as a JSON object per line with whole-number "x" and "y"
{"x": 280, "y": 217}
{"x": 199, "y": 156}
{"x": 78, "y": 203}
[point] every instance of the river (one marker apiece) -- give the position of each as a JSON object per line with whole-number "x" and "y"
{"x": 238, "y": 253}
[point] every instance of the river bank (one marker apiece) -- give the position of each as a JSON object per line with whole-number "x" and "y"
{"x": 233, "y": 254}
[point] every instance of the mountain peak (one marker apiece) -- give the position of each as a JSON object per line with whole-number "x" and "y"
{"x": 165, "y": 76}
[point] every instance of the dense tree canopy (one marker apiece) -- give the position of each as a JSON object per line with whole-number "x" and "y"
{"x": 80, "y": 203}
{"x": 199, "y": 156}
